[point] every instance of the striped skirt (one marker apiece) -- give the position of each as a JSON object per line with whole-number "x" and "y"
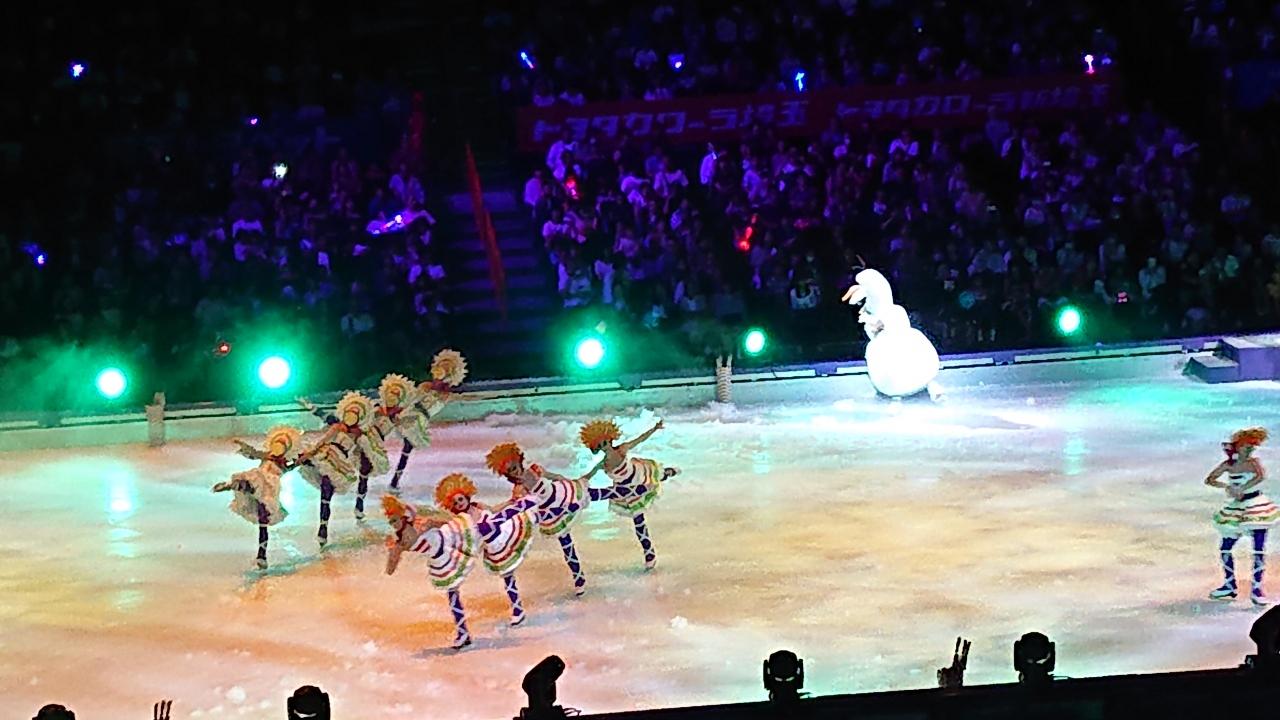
{"x": 507, "y": 548}
{"x": 637, "y": 484}
{"x": 451, "y": 549}
{"x": 1254, "y": 511}
{"x": 561, "y": 505}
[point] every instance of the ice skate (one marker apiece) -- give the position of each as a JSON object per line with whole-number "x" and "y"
{"x": 1225, "y": 593}
{"x": 1258, "y": 597}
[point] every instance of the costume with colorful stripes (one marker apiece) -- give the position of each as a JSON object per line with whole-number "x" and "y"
{"x": 502, "y": 552}
{"x": 452, "y": 544}
{"x": 1248, "y": 511}
{"x": 636, "y": 482}
{"x": 560, "y": 501}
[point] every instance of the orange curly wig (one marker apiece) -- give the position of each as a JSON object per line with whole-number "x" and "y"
{"x": 1249, "y": 437}
{"x": 452, "y": 485}
{"x": 394, "y": 509}
{"x": 599, "y": 431}
{"x": 503, "y": 455}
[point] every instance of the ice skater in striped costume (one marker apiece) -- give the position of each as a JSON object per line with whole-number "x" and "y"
{"x": 637, "y": 482}
{"x": 451, "y": 543}
{"x": 345, "y": 455}
{"x": 1248, "y": 511}
{"x": 560, "y": 501}
{"x": 257, "y": 491}
{"x": 502, "y": 553}
{"x": 448, "y": 370}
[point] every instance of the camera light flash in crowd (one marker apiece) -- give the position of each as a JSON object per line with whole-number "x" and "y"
{"x": 280, "y": 170}
{"x": 1088, "y": 64}
{"x": 676, "y": 61}
{"x": 527, "y": 59}
{"x": 78, "y": 69}
{"x": 800, "y": 75}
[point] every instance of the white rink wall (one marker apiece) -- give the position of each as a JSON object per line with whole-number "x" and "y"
{"x": 750, "y": 387}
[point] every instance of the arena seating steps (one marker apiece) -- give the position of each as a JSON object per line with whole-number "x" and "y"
{"x": 531, "y": 298}
{"x": 1238, "y": 359}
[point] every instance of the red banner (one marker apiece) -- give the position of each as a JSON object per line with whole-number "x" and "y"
{"x": 484, "y": 228}
{"x": 701, "y": 119}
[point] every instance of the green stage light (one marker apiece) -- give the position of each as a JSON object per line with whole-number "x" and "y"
{"x": 1070, "y": 320}
{"x": 589, "y": 353}
{"x": 111, "y": 383}
{"x": 755, "y": 341}
{"x": 274, "y": 372}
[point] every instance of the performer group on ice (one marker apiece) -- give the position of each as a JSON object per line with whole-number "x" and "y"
{"x": 460, "y": 528}
{"x": 351, "y": 449}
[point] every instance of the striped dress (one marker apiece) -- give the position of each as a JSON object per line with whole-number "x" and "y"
{"x": 560, "y": 504}
{"x": 506, "y": 547}
{"x": 451, "y": 551}
{"x": 637, "y": 483}
{"x": 1253, "y": 511}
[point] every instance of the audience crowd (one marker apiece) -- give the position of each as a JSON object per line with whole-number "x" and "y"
{"x": 600, "y": 50}
{"x": 287, "y": 197}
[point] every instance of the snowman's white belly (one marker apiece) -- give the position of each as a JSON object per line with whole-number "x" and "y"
{"x": 901, "y": 362}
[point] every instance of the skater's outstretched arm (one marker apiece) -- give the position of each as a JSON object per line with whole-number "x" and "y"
{"x": 328, "y": 418}
{"x": 249, "y": 451}
{"x": 630, "y": 445}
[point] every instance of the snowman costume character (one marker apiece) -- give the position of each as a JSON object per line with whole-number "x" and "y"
{"x": 900, "y": 359}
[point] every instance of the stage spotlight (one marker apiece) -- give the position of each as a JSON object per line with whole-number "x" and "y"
{"x": 274, "y": 372}
{"x": 1069, "y": 320}
{"x": 1265, "y": 633}
{"x": 111, "y": 383}
{"x": 540, "y": 688}
{"x": 589, "y": 352}
{"x": 754, "y": 342}
{"x": 1034, "y": 657}
{"x": 309, "y": 702}
{"x": 783, "y": 676}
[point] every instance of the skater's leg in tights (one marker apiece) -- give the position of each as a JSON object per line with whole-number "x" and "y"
{"x": 642, "y": 534}
{"x": 400, "y": 466}
{"x": 462, "y": 637}
{"x": 571, "y": 559}
{"x": 326, "y": 495}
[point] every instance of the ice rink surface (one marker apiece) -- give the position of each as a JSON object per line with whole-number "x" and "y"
{"x": 864, "y": 535}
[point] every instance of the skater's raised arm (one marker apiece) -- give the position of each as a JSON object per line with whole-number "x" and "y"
{"x": 630, "y": 445}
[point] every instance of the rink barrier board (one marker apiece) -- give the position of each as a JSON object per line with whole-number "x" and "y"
{"x": 206, "y": 421}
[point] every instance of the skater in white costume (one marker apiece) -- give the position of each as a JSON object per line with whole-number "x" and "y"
{"x": 900, "y": 359}
{"x": 1246, "y": 511}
